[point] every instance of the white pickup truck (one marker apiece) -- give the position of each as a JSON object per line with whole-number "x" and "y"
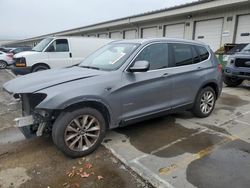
{"x": 56, "y": 52}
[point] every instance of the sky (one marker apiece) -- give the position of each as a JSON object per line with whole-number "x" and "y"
{"x": 21, "y": 19}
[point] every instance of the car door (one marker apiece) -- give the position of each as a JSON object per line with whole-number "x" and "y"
{"x": 59, "y": 53}
{"x": 144, "y": 93}
{"x": 188, "y": 72}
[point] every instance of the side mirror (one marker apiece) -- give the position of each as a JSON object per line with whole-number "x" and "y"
{"x": 140, "y": 66}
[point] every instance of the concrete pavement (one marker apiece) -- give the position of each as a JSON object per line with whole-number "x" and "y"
{"x": 183, "y": 151}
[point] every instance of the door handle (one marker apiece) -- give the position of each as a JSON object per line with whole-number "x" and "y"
{"x": 199, "y": 67}
{"x": 165, "y": 75}
{"x": 70, "y": 54}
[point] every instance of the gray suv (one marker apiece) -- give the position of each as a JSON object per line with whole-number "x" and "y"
{"x": 122, "y": 83}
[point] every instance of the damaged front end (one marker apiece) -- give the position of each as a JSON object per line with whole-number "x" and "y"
{"x": 34, "y": 122}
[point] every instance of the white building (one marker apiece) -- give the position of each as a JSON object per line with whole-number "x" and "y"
{"x": 214, "y": 22}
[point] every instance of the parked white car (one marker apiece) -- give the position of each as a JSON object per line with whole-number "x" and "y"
{"x": 56, "y": 52}
{"x": 5, "y": 60}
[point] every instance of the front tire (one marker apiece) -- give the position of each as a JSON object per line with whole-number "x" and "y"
{"x": 38, "y": 68}
{"x": 204, "y": 102}
{"x": 232, "y": 82}
{"x": 78, "y": 133}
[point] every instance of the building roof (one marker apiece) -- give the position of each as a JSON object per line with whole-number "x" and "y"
{"x": 197, "y": 2}
{"x": 194, "y": 6}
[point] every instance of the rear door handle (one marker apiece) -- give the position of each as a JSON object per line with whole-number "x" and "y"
{"x": 199, "y": 67}
{"x": 165, "y": 75}
{"x": 70, "y": 54}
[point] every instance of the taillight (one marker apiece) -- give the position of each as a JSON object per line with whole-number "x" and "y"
{"x": 10, "y": 55}
{"x": 220, "y": 68}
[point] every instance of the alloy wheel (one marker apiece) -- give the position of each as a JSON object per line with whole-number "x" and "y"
{"x": 2, "y": 65}
{"x": 82, "y": 133}
{"x": 207, "y": 102}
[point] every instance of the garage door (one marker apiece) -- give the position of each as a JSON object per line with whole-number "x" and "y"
{"x": 116, "y": 35}
{"x": 174, "y": 31}
{"x": 149, "y": 32}
{"x": 243, "y": 29}
{"x": 130, "y": 34}
{"x": 103, "y": 35}
{"x": 209, "y": 32}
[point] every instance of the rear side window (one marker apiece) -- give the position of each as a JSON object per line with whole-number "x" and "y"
{"x": 186, "y": 54}
{"x": 156, "y": 55}
{"x": 196, "y": 56}
{"x": 182, "y": 54}
{"x": 203, "y": 53}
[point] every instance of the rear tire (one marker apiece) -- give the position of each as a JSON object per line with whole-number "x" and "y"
{"x": 3, "y": 64}
{"x": 38, "y": 68}
{"x": 232, "y": 82}
{"x": 204, "y": 102}
{"x": 80, "y": 132}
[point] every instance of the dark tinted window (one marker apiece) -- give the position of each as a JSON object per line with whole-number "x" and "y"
{"x": 62, "y": 45}
{"x": 156, "y": 55}
{"x": 59, "y": 45}
{"x": 202, "y": 52}
{"x": 196, "y": 56}
{"x": 182, "y": 54}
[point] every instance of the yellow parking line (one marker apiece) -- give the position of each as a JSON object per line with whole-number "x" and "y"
{"x": 202, "y": 153}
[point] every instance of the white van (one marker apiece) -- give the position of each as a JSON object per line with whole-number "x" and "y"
{"x": 56, "y": 52}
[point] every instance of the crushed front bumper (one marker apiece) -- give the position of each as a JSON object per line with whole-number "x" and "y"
{"x": 24, "y": 121}
{"x": 29, "y": 126}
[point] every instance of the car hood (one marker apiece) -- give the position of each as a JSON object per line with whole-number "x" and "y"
{"x": 40, "y": 80}
{"x": 24, "y": 54}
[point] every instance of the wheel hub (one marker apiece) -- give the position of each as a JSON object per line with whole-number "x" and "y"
{"x": 82, "y": 133}
{"x": 207, "y": 102}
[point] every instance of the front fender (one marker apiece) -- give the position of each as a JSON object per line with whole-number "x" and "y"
{"x": 60, "y": 103}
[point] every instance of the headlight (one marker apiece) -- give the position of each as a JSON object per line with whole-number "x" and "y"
{"x": 20, "y": 62}
{"x": 230, "y": 61}
{"x": 225, "y": 57}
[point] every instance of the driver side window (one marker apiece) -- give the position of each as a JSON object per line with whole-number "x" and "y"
{"x": 156, "y": 55}
{"x": 59, "y": 45}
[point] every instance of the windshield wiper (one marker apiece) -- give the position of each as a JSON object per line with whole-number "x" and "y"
{"x": 89, "y": 67}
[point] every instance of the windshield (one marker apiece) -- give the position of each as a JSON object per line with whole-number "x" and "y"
{"x": 109, "y": 57}
{"x": 246, "y": 49}
{"x": 41, "y": 45}
{"x": 237, "y": 48}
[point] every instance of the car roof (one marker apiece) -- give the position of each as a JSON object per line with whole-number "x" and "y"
{"x": 150, "y": 40}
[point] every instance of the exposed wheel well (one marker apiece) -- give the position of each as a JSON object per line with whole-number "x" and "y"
{"x": 214, "y": 86}
{"x": 42, "y": 64}
{"x": 93, "y": 104}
